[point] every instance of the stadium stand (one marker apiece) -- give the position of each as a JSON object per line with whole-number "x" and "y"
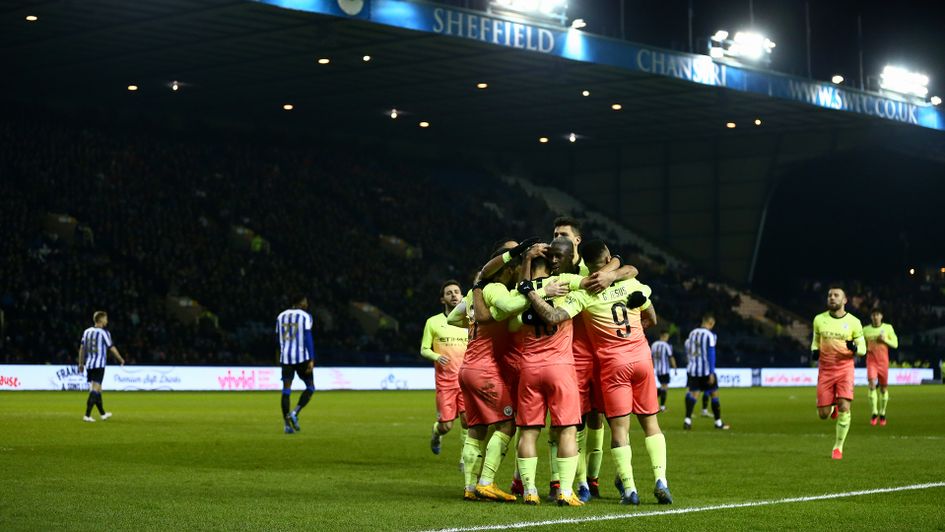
{"x": 193, "y": 245}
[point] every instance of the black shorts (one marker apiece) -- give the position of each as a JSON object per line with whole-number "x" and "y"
{"x": 289, "y": 371}
{"x": 701, "y": 384}
{"x": 95, "y": 375}
{"x": 663, "y": 378}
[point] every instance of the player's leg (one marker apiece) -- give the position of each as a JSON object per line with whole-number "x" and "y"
{"x": 656, "y": 449}
{"x": 826, "y": 395}
{"x": 464, "y": 430}
{"x": 717, "y": 408}
{"x": 305, "y": 373}
{"x": 528, "y": 462}
{"x": 472, "y": 453}
{"x": 567, "y": 465}
{"x": 445, "y": 414}
{"x": 705, "y": 405}
{"x": 871, "y": 377}
{"x": 94, "y": 399}
{"x": 288, "y": 375}
{"x": 693, "y": 387}
{"x": 883, "y": 383}
{"x": 618, "y": 404}
{"x": 643, "y": 383}
{"x": 500, "y": 414}
{"x": 843, "y": 426}
{"x": 622, "y": 455}
{"x": 561, "y": 389}
{"x": 580, "y": 475}
{"x": 595, "y": 449}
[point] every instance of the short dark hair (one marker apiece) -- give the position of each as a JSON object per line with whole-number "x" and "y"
{"x": 450, "y": 282}
{"x": 569, "y": 221}
{"x": 708, "y": 316}
{"x": 876, "y": 310}
{"x": 836, "y": 286}
{"x": 591, "y": 250}
{"x": 98, "y": 314}
{"x": 296, "y": 298}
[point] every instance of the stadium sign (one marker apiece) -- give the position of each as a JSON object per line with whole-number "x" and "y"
{"x": 267, "y": 378}
{"x": 573, "y": 44}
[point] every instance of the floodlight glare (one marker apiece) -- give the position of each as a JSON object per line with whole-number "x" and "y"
{"x": 899, "y": 80}
{"x": 745, "y": 46}
{"x": 572, "y": 137}
{"x": 578, "y": 23}
{"x": 935, "y": 100}
{"x": 837, "y": 78}
{"x": 541, "y": 9}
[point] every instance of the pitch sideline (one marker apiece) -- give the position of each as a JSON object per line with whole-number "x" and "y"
{"x": 753, "y": 504}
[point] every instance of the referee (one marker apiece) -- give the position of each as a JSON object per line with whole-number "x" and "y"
{"x": 96, "y": 345}
{"x": 297, "y": 357}
{"x": 701, "y": 378}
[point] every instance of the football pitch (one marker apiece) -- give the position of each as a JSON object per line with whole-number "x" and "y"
{"x": 196, "y": 461}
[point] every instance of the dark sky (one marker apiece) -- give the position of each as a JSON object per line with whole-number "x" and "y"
{"x": 907, "y": 33}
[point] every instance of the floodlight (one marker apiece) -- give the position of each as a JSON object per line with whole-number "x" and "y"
{"x": 540, "y": 9}
{"x": 747, "y": 46}
{"x": 902, "y": 81}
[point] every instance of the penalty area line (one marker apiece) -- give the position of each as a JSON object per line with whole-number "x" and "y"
{"x": 694, "y": 509}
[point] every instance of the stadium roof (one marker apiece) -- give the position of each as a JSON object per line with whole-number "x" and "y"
{"x": 242, "y": 61}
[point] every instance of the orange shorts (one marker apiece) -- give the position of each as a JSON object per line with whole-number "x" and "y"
{"x": 877, "y": 371}
{"x": 629, "y": 389}
{"x": 485, "y": 396}
{"x": 832, "y": 384}
{"x": 589, "y": 388}
{"x": 449, "y": 404}
{"x": 553, "y": 388}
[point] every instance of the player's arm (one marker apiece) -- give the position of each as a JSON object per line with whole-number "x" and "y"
{"x": 888, "y": 336}
{"x": 672, "y": 359}
{"x": 648, "y": 317}
{"x": 857, "y": 344}
{"x": 309, "y": 342}
{"x": 112, "y": 350}
{"x": 457, "y": 316}
{"x": 426, "y": 345}
{"x": 613, "y": 271}
{"x": 495, "y": 264}
{"x": 81, "y": 357}
{"x": 710, "y": 354}
{"x": 815, "y": 342}
{"x": 549, "y": 314}
{"x": 480, "y": 308}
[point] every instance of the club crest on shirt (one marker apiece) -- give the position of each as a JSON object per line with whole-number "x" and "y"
{"x": 507, "y": 410}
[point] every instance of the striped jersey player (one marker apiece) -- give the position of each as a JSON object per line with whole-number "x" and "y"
{"x": 701, "y": 378}
{"x": 297, "y": 357}
{"x": 94, "y": 349}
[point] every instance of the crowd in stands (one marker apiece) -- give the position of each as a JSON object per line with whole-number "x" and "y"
{"x": 155, "y": 216}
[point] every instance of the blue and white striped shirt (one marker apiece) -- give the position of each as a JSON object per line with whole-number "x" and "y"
{"x": 96, "y": 343}
{"x": 661, "y": 353}
{"x": 700, "y": 349}
{"x": 291, "y": 327}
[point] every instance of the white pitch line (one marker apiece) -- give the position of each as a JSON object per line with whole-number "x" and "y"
{"x": 694, "y": 509}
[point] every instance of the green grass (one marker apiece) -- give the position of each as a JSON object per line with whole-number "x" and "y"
{"x": 362, "y": 462}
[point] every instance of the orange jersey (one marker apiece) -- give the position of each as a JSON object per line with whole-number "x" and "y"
{"x": 878, "y": 341}
{"x": 615, "y": 331}
{"x": 831, "y": 336}
{"x": 445, "y": 339}
{"x": 581, "y": 345}
{"x": 487, "y": 342}
{"x": 535, "y": 343}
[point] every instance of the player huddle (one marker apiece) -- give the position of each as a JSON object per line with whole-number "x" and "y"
{"x": 553, "y": 330}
